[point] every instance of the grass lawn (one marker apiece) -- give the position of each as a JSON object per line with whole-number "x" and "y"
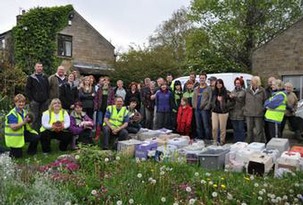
{"x": 106, "y": 177}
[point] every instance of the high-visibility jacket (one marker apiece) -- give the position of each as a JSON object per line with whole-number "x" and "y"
{"x": 116, "y": 118}
{"x": 277, "y": 114}
{"x": 15, "y": 138}
{"x": 52, "y": 118}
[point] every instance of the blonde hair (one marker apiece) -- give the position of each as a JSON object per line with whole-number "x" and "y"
{"x": 19, "y": 97}
{"x": 257, "y": 79}
{"x": 279, "y": 84}
{"x": 55, "y": 100}
{"x": 289, "y": 84}
{"x": 87, "y": 78}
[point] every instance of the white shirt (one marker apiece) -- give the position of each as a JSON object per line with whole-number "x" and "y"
{"x": 121, "y": 93}
{"x": 48, "y": 126}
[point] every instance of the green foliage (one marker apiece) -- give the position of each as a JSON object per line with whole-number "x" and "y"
{"x": 124, "y": 179}
{"x": 34, "y": 37}
{"x": 202, "y": 55}
{"x": 24, "y": 185}
{"x": 13, "y": 81}
{"x": 135, "y": 65}
{"x": 235, "y": 28}
{"x": 107, "y": 177}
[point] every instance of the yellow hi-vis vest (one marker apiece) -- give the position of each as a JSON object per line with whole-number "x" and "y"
{"x": 15, "y": 138}
{"x": 52, "y": 118}
{"x": 277, "y": 114}
{"x": 116, "y": 118}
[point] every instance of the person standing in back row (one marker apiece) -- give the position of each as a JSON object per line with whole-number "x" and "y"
{"x": 236, "y": 113}
{"x": 291, "y": 107}
{"x": 253, "y": 110}
{"x": 275, "y": 109}
{"x": 202, "y": 104}
{"x": 37, "y": 91}
{"x": 55, "y": 82}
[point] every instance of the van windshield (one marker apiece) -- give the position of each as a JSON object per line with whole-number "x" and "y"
{"x": 248, "y": 82}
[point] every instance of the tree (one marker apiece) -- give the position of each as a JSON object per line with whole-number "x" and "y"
{"x": 13, "y": 80}
{"x": 236, "y": 28}
{"x": 203, "y": 55}
{"x": 171, "y": 35}
{"x": 139, "y": 63}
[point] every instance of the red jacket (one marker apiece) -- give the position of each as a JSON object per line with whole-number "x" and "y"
{"x": 184, "y": 119}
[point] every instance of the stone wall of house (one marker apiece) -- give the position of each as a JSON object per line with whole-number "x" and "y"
{"x": 89, "y": 46}
{"x": 283, "y": 55}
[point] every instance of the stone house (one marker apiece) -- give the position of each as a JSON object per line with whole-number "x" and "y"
{"x": 282, "y": 57}
{"x": 80, "y": 46}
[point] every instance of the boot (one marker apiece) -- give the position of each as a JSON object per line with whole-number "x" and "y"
{"x": 98, "y": 132}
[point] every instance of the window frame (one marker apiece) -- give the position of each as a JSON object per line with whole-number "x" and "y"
{"x": 62, "y": 39}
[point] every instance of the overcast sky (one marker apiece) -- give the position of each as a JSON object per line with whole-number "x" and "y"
{"x": 122, "y": 22}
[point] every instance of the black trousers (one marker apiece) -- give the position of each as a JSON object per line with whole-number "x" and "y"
{"x": 274, "y": 130}
{"x": 65, "y": 138}
{"x": 85, "y": 137}
{"x": 33, "y": 140}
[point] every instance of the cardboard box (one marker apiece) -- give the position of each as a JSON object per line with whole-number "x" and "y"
{"x": 127, "y": 147}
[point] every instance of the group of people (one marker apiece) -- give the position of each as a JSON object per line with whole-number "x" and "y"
{"x": 69, "y": 109}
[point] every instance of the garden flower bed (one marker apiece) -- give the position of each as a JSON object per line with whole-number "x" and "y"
{"x": 91, "y": 176}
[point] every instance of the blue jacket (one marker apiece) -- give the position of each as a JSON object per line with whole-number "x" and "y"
{"x": 276, "y": 101}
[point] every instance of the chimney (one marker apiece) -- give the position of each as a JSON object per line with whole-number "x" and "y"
{"x": 19, "y": 16}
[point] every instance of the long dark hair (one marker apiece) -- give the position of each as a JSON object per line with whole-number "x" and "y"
{"x": 222, "y": 90}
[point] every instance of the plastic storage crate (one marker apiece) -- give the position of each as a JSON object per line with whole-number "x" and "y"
{"x": 179, "y": 142}
{"x": 280, "y": 144}
{"x": 142, "y": 150}
{"x": 148, "y": 135}
{"x": 212, "y": 159}
{"x": 260, "y": 164}
{"x": 258, "y": 146}
{"x": 297, "y": 149}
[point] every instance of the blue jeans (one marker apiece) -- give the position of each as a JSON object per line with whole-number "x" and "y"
{"x": 203, "y": 124}
{"x": 239, "y": 130}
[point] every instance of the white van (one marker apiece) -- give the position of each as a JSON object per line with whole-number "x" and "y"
{"x": 228, "y": 79}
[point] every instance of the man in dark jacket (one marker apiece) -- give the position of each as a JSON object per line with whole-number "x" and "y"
{"x": 37, "y": 91}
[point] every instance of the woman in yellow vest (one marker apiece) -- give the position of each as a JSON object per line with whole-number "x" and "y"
{"x": 18, "y": 129}
{"x": 275, "y": 109}
{"x": 55, "y": 124}
{"x": 115, "y": 121}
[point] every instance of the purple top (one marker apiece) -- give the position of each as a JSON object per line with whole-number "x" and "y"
{"x": 74, "y": 127}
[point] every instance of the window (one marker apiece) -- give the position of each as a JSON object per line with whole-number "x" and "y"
{"x": 2, "y": 43}
{"x": 65, "y": 45}
{"x": 297, "y": 81}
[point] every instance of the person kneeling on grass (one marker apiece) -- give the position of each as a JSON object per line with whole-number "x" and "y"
{"x": 81, "y": 125}
{"x": 18, "y": 129}
{"x": 134, "y": 117}
{"x": 115, "y": 121}
{"x": 55, "y": 124}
